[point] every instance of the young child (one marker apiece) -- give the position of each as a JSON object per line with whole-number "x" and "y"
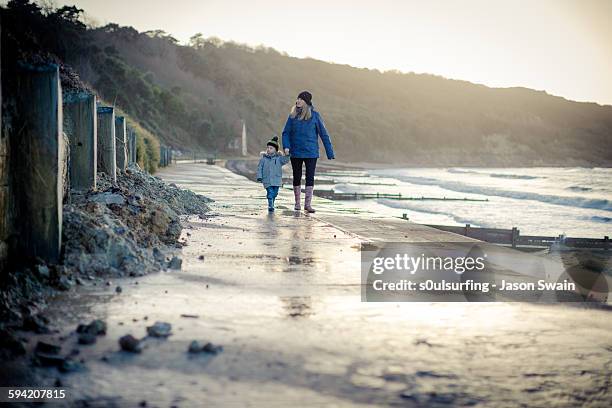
{"x": 270, "y": 170}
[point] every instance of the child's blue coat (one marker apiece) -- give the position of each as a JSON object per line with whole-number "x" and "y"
{"x": 270, "y": 169}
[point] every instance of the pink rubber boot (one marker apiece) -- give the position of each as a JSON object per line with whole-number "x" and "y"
{"x": 297, "y": 190}
{"x": 308, "y": 199}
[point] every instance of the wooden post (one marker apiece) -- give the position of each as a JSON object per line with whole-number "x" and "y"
{"x": 35, "y": 179}
{"x": 120, "y": 143}
{"x": 161, "y": 156}
{"x": 466, "y": 230}
{"x": 131, "y": 145}
{"x": 80, "y": 124}
{"x": 515, "y": 236}
{"x": 106, "y": 142}
{"x": 4, "y": 191}
{"x": 135, "y": 144}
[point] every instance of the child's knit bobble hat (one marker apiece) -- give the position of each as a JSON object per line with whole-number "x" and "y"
{"x": 273, "y": 142}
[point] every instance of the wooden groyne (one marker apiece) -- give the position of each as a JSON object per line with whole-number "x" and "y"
{"x": 53, "y": 141}
{"x": 332, "y": 195}
{"x": 513, "y": 237}
{"x": 165, "y": 156}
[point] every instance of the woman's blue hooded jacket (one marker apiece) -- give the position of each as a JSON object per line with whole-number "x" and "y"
{"x": 301, "y": 137}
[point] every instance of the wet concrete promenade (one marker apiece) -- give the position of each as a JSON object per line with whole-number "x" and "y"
{"x": 281, "y": 293}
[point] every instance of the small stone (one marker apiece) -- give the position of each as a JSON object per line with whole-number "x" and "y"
{"x": 108, "y": 198}
{"x": 160, "y": 329}
{"x": 49, "y": 360}
{"x": 211, "y": 348}
{"x": 130, "y": 343}
{"x": 69, "y": 366}
{"x": 195, "y": 347}
{"x": 49, "y": 348}
{"x": 118, "y": 289}
{"x": 96, "y": 327}
{"x": 175, "y": 263}
{"x": 64, "y": 283}
{"x": 201, "y": 257}
{"x": 43, "y": 271}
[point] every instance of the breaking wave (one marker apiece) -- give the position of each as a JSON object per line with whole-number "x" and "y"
{"x": 581, "y": 202}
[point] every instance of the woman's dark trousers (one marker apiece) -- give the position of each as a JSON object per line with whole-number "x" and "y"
{"x": 296, "y": 165}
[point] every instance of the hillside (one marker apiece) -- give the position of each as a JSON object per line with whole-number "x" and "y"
{"x": 194, "y": 97}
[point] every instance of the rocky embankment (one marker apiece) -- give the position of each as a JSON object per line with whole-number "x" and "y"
{"x": 130, "y": 228}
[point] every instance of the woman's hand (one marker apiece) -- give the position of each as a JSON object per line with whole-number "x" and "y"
{"x": 286, "y": 151}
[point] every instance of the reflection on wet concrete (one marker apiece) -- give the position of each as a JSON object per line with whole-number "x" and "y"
{"x": 281, "y": 293}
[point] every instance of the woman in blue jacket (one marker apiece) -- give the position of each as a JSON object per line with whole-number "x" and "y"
{"x": 301, "y": 137}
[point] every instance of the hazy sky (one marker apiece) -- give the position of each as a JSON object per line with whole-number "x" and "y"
{"x": 561, "y": 46}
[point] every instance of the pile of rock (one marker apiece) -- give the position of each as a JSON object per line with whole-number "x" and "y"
{"x": 129, "y": 228}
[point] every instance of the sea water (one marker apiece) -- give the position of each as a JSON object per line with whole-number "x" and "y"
{"x": 573, "y": 201}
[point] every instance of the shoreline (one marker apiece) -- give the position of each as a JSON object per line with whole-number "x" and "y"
{"x": 365, "y": 165}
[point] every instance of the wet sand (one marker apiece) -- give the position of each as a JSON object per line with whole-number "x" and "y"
{"x": 281, "y": 294}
